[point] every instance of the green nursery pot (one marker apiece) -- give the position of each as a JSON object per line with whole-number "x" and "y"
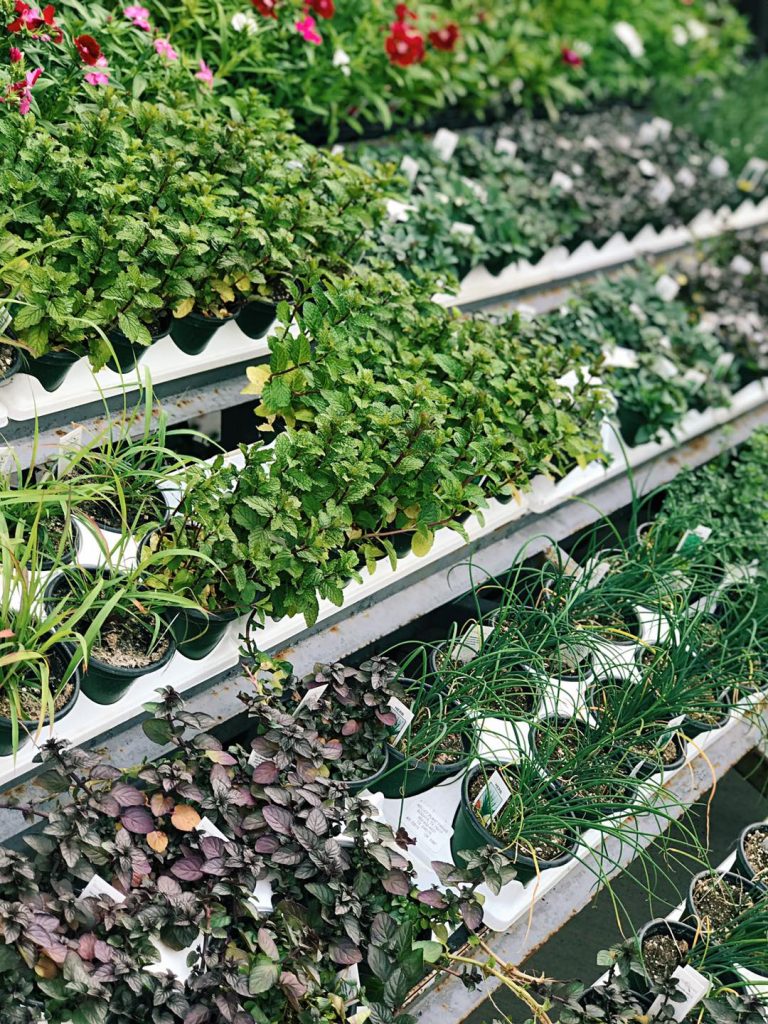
{"x": 370, "y": 781}
{"x": 126, "y": 354}
{"x": 193, "y": 332}
{"x": 256, "y": 318}
{"x": 197, "y": 632}
{"x": 50, "y": 369}
{"x": 409, "y": 778}
{"x": 469, "y": 833}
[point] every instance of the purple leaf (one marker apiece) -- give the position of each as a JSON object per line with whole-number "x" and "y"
{"x": 344, "y": 952}
{"x": 471, "y": 914}
{"x": 197, "y": 1015}
{"x": 266, "y": 773}
{"x": 168, "y": 885}
{"x": 432, "y": 898}
{"x": 127, "y": 796}
{"x": 220, "y": 757}
{"x": 40, "y": 934}
{"x": 396, "y": 883}
{"x": 350, "y": 728}
{"x": 87, "y": 946}
{"x": 138, "y": 819}
{"x": 278, "y": 819}
{"x": 266, "y": 844}
{"x": 188, "y": 868}
{"x": 103, "y": 951}
{"x": 386, "y": 717}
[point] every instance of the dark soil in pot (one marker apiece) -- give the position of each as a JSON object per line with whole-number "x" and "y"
{"x": 193, "y": 332}
{"x": 140, "y": 510}
{"x": 707, "y": 718}
{"x": 719, "y": 899}
{"x": 665, "y": 946}
{"x": 753, "y": 853}
{"x": 50, "y": 369}
{"x": 10, "y": 361}
{"x": 59, "y": 658}
{"x": 620, "y": 625}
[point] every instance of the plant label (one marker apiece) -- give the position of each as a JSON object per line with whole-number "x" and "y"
{"x": 460, "y": 228}
{"x": 173, "y": 960}
{"x": 410, "y": 168}
{"x": 403, "y": 714}
{"x": 693, "y": 539}
{"x": 667, "y": 288}
{"x": 619, "y": 357}
{"x": 663, "y": 190}
{"x": 445, "y": 142}
{"x": 506, "y": 146}
{"x": 561, "y": 181}
{"x": 397, "y": 211}
{"x": 492, "y": 797}
{"x": 5, "y": 319}
{"x": 692, "y": 985}
{"x": 261, "y": 900}
{"x": 764, "y": 262}
{"x": 753, "y": 174}
{"x": 311, "y": 699}
{"x": 480, "y": 191}
{"x": 207, "y": 828}
{"x": 69, "y": 445}
{"x": 100, "y": 887}
{"x": 741, "y": 265}
{"x": 254, "y": 760}
{"x": 647, "y": 168}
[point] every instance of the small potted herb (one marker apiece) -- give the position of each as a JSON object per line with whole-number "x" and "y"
{"x": 752, "y": 853}
{"x": 718, "y": 899}
{"x": 663, "y": 946}
{"x": 124, "y": 633}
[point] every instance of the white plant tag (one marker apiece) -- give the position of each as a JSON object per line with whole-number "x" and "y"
{"x": 506, "y": 146}
{"x": 207, "y": 828}
{"x": 561, "y": 181}
{"x": 691, "y": 984}
{"x": 5, "y": 319}
{"x": 254, "y": 760}
{"x": 311, "y": 699}
{"x": 764, "y": 262}
{"x": 173, "y": 960}
{"x": 410, "y": 168}
{"x": 397, "y": 211}
{"x": 753, "y": 173}
{"x": 403, "y": 714}
{"x": 622, "y": 358}
{"x": 591, "y": 142}
{"x": 693, "y": 539}
{"x": 492, "y": 797}
{"x": 647, "y": 168}
{"x": 685, "y": 177}
{"x": 445, "y": 142}
{"x": 261, "y": 901}
{"x": 460, "y": 228}
{"x": 98, "y": 886}
{"x": 68, "y": 447}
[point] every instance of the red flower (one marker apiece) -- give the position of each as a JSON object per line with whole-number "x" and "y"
{"x": 402, "y": 12}
{"x": 88, "y": 49}
{"x": 445, "y": 38}
{"x": 323, "y": 8}
{"x": 571, "y": 57}
{"x": 404, "y": 46}
{"x": 15, "y": 55}
{"x": 31, "y": 19}
{"x": 266, "y": 7}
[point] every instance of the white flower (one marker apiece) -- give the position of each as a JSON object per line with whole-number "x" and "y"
{"x": 679, "y": 35}
{"x": 561, "y": 181}
{"x": 647, "y": 168}
{"x": 718, "y": 167}
{"x": 764, "y": 262}
{"x": 662, "y": 190}
{"x": 630, "y": 37}
{"x": 244, "y": 22}
{"x": 696, "y": 29}
{"x": 341, "y": 60}
{"x": 667, "y": 288}
{"x": 685, "y": 177}
{"x": 741, "y": 265}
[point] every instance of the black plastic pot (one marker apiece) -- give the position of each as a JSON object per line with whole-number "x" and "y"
{"x": 101, "y": 682}
{"x": 193, "y": 332}
{"x": 50, "y": 369}
{"x": 256, "y": 318}
{"x": 692, "y": 728}
{"x": 469, "y": 833}
{"x": 62, "y": 653}
{"x": 197, "y": 632}
{"x": 742, "y": 860}
{"x": 730, "y": 876}
{"x": 125, "y": 353}
{"x": 659, "y": 926}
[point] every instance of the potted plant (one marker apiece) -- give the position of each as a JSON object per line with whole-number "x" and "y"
{"x": 752, "y": 853}
{"x": 718, "y": 899}
{"x": 123, "y": 630}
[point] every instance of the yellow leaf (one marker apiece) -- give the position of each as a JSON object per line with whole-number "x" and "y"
{"x": 46, "y": 968}
{"x": 158, "y": 841}
{"x": 412, "y": 511}
{"x": 224, "y": 291}
{"x": 184, "y": 307}
{"x": 421, "y": 543}
{"x": 243, "y": 284}
{"x": 257, "y": 378}
{"x": 185, "y": 818}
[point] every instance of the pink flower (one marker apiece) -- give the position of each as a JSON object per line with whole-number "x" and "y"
{"x": 308, "y": 29}
{"x": 164, "y": 48}
{"x": 139, "y": 16}
{"x": 97, "y": 78}
{"x": 24, "y": 89}
{"x": 571, "y": 57}
{"x": 15, "y": 54}
{"x": 205, "y": 74}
